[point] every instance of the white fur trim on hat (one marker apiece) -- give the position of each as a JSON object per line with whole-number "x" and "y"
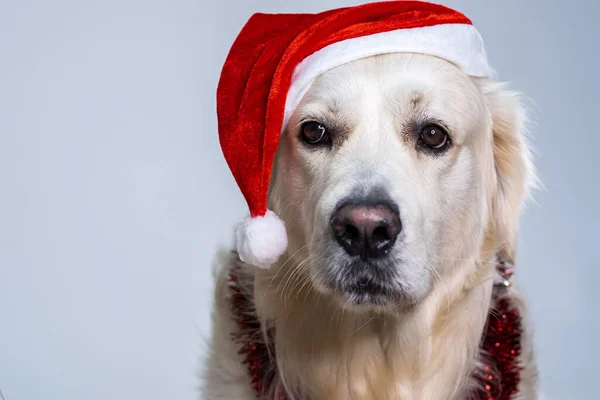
{"x": 461, "y": 44}
{"x": 260, "y": 241}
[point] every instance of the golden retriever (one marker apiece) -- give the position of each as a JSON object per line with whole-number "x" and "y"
{"x": 401, "y": 181}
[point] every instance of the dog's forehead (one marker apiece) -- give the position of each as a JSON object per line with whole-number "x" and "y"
{"x": 392, "y": 77}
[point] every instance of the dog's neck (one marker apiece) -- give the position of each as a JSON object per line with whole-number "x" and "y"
{"x": 425, "y": 352}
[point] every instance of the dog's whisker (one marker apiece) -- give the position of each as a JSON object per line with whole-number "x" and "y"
{"x": 317, "y": 276}
{"x": 307, "y": 279}
{"x": 468, "y": 259}
{"x": 298, "y": 270}
{"x": 290, "y": 271}
{"x": 483, "y": 281}
{"x": 304, "y": 279}
{"x": 291, "y": 293}
{"x": 278, "y": 271}
{"x": 342, "y": 310}
{"x": 363, "y": 325}
{"x": 431, "y": 268}
{"x": 335, "y": 314}
{"x": 299, "y": 286}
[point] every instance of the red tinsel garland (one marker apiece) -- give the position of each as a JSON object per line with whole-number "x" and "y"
{"x": 498, "y": 377}
{"x": 256, "y": 354}
{"x": 500, "y": 345}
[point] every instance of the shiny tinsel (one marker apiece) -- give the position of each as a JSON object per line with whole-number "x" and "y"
{"x": 255, "y": 351}
{"x": 499, "y": 375}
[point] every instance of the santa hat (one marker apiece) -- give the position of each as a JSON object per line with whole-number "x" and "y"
{"x": 275, "y": 59}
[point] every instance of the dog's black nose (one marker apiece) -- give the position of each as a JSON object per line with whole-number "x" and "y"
{"x": 365, "y": 229}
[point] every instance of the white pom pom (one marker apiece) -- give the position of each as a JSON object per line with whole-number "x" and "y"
{"x": 261, "y": 240}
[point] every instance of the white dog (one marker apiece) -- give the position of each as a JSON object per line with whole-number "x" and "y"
{"x": 400, "y": 180}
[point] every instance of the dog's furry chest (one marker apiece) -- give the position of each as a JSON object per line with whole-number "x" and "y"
{"x": 366, "y": 370}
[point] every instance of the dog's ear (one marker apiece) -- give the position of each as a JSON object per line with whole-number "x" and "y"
{"x": 513, "y": 166}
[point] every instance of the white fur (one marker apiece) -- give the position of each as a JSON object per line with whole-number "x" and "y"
{"x": 459, "y": 212}
{"x": 261, "y": 240}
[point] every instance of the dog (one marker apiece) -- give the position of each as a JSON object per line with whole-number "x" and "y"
{"x": 401, "y": 181}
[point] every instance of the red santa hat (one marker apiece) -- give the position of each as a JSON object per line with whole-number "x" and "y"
{"x": 275, "y": 59}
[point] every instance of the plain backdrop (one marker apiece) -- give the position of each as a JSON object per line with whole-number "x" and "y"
{"x": 114, "y": 195}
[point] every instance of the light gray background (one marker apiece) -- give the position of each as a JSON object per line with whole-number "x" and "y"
{"x": 114, "y": 194}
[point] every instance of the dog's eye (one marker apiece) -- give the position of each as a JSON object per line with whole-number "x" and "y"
{"x": 313, "y": 132}
{"x": 434, "y": 137}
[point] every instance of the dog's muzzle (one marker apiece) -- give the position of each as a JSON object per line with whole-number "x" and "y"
{"x": 366, "y": 230}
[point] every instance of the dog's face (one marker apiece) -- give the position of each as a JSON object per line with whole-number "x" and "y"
{"x": 384, "y": 167}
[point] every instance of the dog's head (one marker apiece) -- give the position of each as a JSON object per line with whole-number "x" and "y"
{"x": 391, "y": 168}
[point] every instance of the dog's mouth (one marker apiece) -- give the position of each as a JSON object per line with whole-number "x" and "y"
{"x": 367, "y": 286}
{"x": 375, "y": 283}
{"x": 365, "y": 291}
